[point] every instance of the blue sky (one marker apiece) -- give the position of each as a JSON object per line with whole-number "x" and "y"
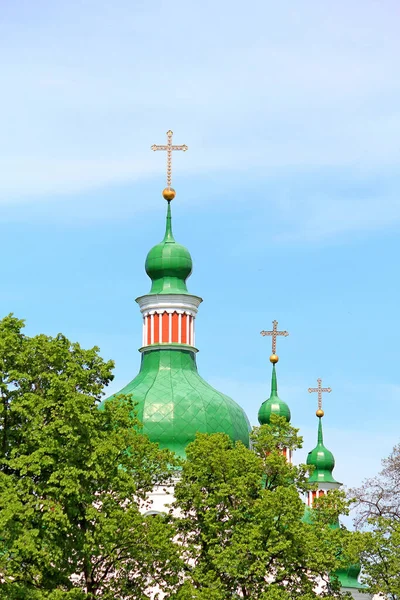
{"x": 288, "y": 197}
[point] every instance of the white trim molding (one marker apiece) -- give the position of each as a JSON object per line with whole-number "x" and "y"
{"x": 170, "y": 302}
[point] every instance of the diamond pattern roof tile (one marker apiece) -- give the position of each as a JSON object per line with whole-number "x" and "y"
{"x": 174, "y": 402}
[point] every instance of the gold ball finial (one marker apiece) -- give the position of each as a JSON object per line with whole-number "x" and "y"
{"x": 169, "y": 193}
{"x": 320, "y": 412}
{"x": 274, "y": 358}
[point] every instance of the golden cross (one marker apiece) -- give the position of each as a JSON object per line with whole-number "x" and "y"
{"x": 274, "y": 333}
{"x": 319, "y": 390}
{"x": 169, "y": 148}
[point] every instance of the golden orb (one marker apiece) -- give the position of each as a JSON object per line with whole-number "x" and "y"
{"x": 274, "y": 358}
{"x": 169, "y": 193}
{"x": 320, "y": 412}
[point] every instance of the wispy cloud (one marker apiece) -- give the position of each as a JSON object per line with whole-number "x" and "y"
{"x": 276, "y": 87}
{"x": 327, "y": 215}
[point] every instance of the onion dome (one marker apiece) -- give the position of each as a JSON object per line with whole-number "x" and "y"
{"x": 274, "y": 405}
{"x": 168, "y": 264}
{"x": 174, "y": 402}
{"x": 322, "y": 459}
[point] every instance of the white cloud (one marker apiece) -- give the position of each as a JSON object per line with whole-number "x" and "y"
{"x": 275, "y": 87}
{"x": 323, "y": 218}
{"x": 31, "y": 179}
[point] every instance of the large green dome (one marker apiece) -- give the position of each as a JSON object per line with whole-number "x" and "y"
{"x": 274, "y": 405}
{"x": 168, "y": 264}
{"x": 322, "y": 459}
{"x": 174, "y": 402}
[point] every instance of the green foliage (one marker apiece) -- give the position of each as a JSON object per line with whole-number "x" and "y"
{"x": 268, "y": 442}
{"x": 328, "y": 508}
{"x": 74, "y": 479}
{"x": 380, "y": 556}
{"x": 74, "y": 483}
{"x": 241, "y": 523}
{"x": 378, "y": 513}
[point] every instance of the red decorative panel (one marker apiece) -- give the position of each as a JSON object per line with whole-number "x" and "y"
{"x": 156, "y": 328}
{"x": 183, "y": 333}
{"x": 175, "y": 327}
{"x": 165, "y": 327}
{"x": 181, "y": 328}
{"x": 148, "y": 329}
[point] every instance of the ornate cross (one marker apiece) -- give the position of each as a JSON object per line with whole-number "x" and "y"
{"x": 169, "y": 148}
{"x": 320, "y": 391}
{"x": 274, "y": 333}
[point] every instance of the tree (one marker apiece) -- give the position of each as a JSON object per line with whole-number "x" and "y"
{"x": 379, "y": 549}
{"x": 269, "y": 443}
{"x": 378, "y": 514}
{"x": 74, "y": 479}
{"x": 241, "y": 527}
{"x": 380, "y": 496}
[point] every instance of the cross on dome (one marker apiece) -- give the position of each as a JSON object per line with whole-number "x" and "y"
{"x": 319, "y": 390}
{"x": 274, "y": 333}
{"x": 169, "y": 193}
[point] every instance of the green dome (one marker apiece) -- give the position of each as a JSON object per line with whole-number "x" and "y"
{"x": 322, "y": 459}
{"x": 174, "y": 402}
{"x": 348, "y": 577}
{"x": 274, "y": 405}
{"x": 168, "y": 264}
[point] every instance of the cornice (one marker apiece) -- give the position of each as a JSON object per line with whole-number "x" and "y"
{"x": 168, "y": 302}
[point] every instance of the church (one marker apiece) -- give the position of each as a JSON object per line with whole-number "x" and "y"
{"x": 173, "y": 401}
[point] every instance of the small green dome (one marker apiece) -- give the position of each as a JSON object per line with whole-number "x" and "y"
{"x": 168, "y": 264}
{"x": 274, "y": 405}
{"x": 348, "y": 577}
{"x": 322, "y": 459}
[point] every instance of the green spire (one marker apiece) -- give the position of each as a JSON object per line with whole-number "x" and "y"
{"x": 322, "y": 459}
{"x": 274, "y": 383}
{"x": 274, "y": 405}
{"x": 168, "y": 264}
{"x": 320, "y": 434}
{"x": 169, "y": 236}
